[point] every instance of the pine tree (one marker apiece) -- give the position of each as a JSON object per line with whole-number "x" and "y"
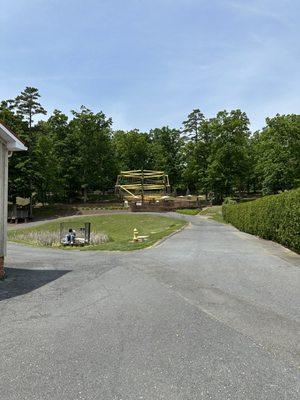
{"x": 26, "y": 104}
{"x": 26, "y": 165}
{"x": 192, "y": 125}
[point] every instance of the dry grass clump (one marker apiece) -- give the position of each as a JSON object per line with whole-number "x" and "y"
{"x": 52, "y": 238}
{"x": 98, "y": 238}
{"x": 42, "y": 238}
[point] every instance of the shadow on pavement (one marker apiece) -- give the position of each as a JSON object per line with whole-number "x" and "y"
{"x": 21, "y": 281}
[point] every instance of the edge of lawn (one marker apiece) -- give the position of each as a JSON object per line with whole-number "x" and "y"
{"x": 160, "y": 241}
{"x": 161, "y": 236}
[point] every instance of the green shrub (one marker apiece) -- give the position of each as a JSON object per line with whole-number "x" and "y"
{"x": 229, "y": 200}
{"x": 274, "y": 217}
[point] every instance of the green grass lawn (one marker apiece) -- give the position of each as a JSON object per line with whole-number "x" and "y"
{"x": 214, "y": 212}
{"x": 188, "y": 211}
{"x": 118, "y": 228}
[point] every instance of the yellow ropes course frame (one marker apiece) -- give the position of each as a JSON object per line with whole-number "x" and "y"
{"x": 141, "y": 183}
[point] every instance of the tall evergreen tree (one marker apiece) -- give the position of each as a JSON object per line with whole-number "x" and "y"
{"x": 192, "y": 125}
{"x": 26, "y": 104}
{"x": 26, "y": 165}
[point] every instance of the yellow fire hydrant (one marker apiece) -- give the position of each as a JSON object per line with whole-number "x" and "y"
{"x": 135, "y": 235}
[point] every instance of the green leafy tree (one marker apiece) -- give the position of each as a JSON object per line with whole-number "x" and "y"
{"x": 196, "y": 167}
{"x": 277, "y": 154}
{"x": 46, "y": 177}
{"x": 92, "y": 163}
{"x": 66, "y": 156}
{"x": 132, "y": 150}
{"x": 18, "y": 163}
{"x": 197, "y": 155}
{"x": 64, "y": 149}
{"x": 167, "y": 151}
{"x": 228, "y": 162}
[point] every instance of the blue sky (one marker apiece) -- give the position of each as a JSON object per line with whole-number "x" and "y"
{"x": 148, "y": 63}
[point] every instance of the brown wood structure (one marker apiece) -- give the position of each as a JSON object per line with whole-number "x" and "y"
{"x": 21, "y": 210}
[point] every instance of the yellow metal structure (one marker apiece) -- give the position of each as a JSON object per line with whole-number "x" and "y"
{"x": 142, "y": 184}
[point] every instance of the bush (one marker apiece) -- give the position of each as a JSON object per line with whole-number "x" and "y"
{"x": 274, "y": 217}
{"x": 229, "y": 200}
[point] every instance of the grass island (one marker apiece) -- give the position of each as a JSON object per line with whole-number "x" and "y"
{"x": 117, "y": 228}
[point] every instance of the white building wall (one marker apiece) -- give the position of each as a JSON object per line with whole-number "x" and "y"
{"x": 3, "y": 196}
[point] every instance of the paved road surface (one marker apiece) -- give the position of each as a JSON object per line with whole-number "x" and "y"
{"x": 210, "y": 313}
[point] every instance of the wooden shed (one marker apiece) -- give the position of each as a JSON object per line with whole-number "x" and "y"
{"x": 9, "y": 143}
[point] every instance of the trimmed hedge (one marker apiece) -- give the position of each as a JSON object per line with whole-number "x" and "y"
{"x": 274, "y": 217}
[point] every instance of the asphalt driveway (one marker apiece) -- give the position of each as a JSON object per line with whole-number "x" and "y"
{"x": 210, "y": 313}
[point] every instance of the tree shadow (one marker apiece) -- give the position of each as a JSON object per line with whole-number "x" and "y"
{"x": 21, "y": 281}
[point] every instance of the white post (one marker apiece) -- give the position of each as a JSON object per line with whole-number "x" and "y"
{"x": 3, "y": 203}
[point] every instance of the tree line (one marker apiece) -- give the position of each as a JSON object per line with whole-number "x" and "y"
{"x": 216, "y": 156}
